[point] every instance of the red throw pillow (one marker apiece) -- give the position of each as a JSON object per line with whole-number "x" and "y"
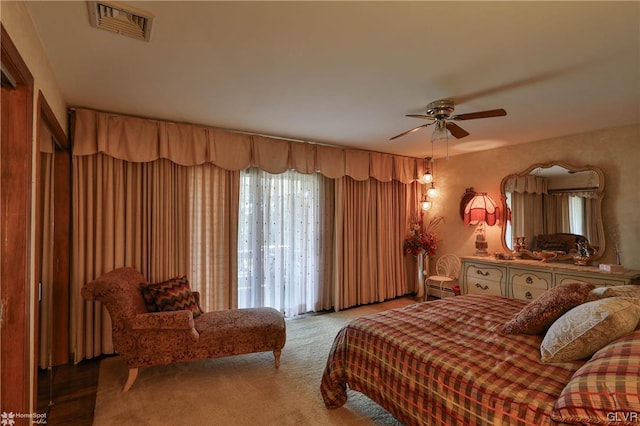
{"x": 538, "y": 315}
{"x": 174, "y": 295}
{"x": 148, "y": 297}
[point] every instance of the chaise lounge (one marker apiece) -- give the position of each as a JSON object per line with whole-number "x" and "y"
{"x": 144, "y": 338}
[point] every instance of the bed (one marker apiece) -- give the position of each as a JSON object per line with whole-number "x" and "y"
{"x": 445, "y": 362}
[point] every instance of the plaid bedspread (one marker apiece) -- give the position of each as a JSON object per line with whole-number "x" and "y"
{"x": 443, "y": 363}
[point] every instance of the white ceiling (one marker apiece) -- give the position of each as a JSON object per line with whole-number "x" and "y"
{"x": 346, "y": 73}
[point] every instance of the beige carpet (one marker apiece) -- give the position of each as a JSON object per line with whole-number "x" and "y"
{"x": 242, "y": 390}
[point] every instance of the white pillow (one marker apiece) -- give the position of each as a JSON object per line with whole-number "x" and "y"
{"x": 583, "y": 330}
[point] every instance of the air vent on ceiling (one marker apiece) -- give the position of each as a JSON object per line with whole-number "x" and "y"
{"x": 121, "y": 19}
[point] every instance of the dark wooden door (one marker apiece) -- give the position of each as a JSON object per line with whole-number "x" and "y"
{"x": 16, "y": 283}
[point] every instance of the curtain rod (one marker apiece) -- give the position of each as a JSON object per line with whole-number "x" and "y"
{"x": 589, "y": 189}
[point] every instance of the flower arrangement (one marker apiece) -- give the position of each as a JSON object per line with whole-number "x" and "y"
{"x": 421, "y": 239}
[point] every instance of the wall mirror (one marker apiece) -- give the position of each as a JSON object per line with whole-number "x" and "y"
{"x": 554, "y": 206}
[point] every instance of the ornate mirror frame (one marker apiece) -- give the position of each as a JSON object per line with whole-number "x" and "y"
{"x": 570, "y": 168}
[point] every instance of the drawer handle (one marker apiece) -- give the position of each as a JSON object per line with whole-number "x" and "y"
{"x": 529, "y": 280}
{"x": 528, "y": 295}
{"x": 482, "y": 287}
{"x": 484, "y": 274}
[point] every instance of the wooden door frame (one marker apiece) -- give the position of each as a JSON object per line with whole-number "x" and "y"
{"x": 62, "y": 235}
{"x": 17, "y": 366}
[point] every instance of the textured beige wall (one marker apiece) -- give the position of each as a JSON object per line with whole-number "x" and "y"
{"x": 16, "y": 20}
{"x": 615, "y": 151}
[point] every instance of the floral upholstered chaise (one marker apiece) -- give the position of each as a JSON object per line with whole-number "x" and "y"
{"x": 144, "y": 338}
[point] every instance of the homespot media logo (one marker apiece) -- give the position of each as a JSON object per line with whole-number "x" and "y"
{"x": 628, "y": 416}
{"x": 9, "y": 419}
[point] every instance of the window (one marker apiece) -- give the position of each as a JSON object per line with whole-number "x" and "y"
{"x": 279, "y": 241}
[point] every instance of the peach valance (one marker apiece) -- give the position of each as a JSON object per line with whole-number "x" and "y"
{"x": 142, "y": 140}
{"x": 528, "y": 184}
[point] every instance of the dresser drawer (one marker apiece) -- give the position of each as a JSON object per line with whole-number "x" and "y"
{"x": 488, "y": 273}
{"x": 485, "y": 279}
{"x": 484, "y": 286}
{"x": 598, "y": 281}
{"x": 526, "y": 292}
{"x": 531, "y": 279}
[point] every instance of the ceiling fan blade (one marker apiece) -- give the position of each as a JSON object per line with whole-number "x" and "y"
{"x": 427, "y": 117}
{"x": 457, "y": 131}
{"x": 480, "y": 114}
{"x": 409, "y": 131}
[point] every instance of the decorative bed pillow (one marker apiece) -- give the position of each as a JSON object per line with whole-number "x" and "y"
{"x": 148, "y": 298}
{"x": 589, "y": 327}
{"x": 538, "y": 315}
{"x": 614, "y": 291}
{"x": 174, "y": 295}
{"x": 605, "y": 390}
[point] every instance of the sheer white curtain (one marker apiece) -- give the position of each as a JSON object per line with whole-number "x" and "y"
{"x": 280, "y": 261}
{"x": 577, "y": 215}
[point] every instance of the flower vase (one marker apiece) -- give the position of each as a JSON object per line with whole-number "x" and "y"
{"x": 420, "y": 262}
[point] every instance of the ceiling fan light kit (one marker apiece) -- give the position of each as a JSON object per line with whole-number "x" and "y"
{"x": 439, "y": 113}
{"x": 440, "y": 133}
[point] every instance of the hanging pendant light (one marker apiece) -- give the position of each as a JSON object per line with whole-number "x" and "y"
{"x": 432, "y": 192}
{"x": 425, "y": 204}
{"x": 427, "y": 177}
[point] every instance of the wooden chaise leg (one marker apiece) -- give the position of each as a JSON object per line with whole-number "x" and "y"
{"x": 133, "y": 374}
{"x": 276, "y": 355}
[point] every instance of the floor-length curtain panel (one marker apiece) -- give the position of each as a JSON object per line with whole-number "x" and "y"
{"x": 213, "y": 207}
{"x": 46, "y": 219}
{"x": 371, "y": 220}
{"x": 390, "y": 220}
{"x": 527, "y": 215}
{"x": 550, "y": 206}
{"x": 591, "y": 221}
{"x": 355, "y": 235}
{"x": 165, "y": 187}
{"x": 558, "y": 218}
{"x": 280, "y": 251}
{"x": 325, "y": 291}
{"x": 124, "y": 214}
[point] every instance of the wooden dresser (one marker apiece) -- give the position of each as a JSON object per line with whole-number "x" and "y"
{"x": 527, "y": 279}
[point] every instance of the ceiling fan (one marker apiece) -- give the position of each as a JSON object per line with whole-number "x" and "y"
{"x": 439, "y": 112}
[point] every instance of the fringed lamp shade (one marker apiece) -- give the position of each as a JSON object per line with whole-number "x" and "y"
{"x": 481, "y": 208}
